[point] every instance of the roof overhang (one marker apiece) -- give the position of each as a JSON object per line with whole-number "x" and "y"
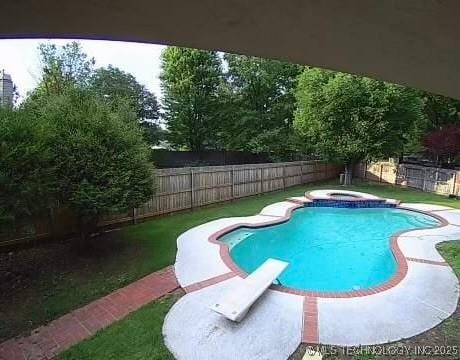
{"x": 410, "y": 42}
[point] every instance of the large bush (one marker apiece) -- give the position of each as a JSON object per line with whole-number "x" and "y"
{"x": 25, "y": 166}
{"x": 77, "y": 150}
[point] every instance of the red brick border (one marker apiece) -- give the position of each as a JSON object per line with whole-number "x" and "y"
{"x": 208, "y": 282}
{"x": 310, "y": 331}
{"x": 47, "y": 341}
{"x": 401, "y": 261}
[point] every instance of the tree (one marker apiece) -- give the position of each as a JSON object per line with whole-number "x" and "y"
{"x": 190, "y": 82}
{"x": 444, "y": 143}
{"x": 116, "y": 86}
{"x": 63, "y": 66}
{"x": 25, "y": 172}
{"x": 349, "y": 118}
{"x": 99, "y": 160}
{"x": 440, "y": 111}
{"x": 263, "y": 102}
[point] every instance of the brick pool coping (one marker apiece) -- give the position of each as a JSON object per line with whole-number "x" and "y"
{"x": 310, "y": 313}
{"x": 401, "y": 260}
{"x": 423, "y": 292}
{"x": 310, "y": 320}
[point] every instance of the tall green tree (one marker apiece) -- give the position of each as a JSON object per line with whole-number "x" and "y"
{"x": 25, "y": 167}
{"x": 99, "y": 161}
{"x": 349, "y": 118}
{"x": 116, "y": 86}
{"x": 63, "y": 66}
{"x": 190, "y": 83}
{"x": 262, "y": 95}
{"x": 440, "y": 111}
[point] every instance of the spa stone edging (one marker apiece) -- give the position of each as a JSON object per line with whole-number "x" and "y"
{"x": 410, "y": 305}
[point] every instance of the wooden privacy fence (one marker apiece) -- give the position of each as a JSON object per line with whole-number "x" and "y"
{"x": 187, "y": 188}
{"x": 430, "y": 179}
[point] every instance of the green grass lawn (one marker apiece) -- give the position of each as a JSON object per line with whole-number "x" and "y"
{"x": 52, "y": 280}
{"x": 138, "y": 336}
{"x": 451, "y": 252}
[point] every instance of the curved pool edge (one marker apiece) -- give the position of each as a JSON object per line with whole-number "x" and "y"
{"x": 423, "y": 294}
{"x": 400, "y": 258}
{"x": 224, "y": 249}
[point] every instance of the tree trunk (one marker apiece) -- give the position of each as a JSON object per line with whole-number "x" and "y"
{"x": 348, "y": 174}
{"x": 87, "y": 227}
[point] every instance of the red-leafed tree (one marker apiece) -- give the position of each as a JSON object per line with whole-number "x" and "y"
{"x": 444, "y": 143}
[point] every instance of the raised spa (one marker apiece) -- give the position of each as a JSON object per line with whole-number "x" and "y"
{"x": 328, "y": 248}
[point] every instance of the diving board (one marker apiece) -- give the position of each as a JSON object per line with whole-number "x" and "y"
{"x": 237, "y": 301}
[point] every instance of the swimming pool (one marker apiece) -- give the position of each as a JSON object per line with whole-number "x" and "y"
{"x": 328, "y": 248}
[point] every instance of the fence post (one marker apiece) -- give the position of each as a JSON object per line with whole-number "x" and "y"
{"x": 192, "y": 195}
{"x": 233, "y": 182}
{"x": 284, "y": 176}
{"x": 302, "y": 181}
{"x": 381, "y": 171}
{"x": 261, "y": 180}
{"x": 424, "y": 180}
{"x": 134, "y": 215}
{"x": 452, "y": 188}
{"x": 436, "y": 180}
{"x": 455, "y": 183}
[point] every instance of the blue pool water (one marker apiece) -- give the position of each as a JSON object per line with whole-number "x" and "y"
{"x": 327, "y": 248}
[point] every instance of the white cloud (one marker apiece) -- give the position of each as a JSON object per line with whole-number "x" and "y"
{"x": 20, "y": 59}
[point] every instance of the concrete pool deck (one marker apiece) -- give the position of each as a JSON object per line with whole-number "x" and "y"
{"x": 424, "y": 292}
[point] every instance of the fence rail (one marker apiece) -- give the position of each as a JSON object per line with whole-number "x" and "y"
{"x": 430, "y": 179}
{"x": 187, "y": 188}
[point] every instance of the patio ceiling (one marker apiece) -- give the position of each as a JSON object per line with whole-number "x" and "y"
{"x": 410, "y": 42}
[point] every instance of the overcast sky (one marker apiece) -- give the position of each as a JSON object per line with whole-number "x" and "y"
{"x": 20, "y": 59}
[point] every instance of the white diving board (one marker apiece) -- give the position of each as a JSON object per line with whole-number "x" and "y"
{"x": 235, "y": 304}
